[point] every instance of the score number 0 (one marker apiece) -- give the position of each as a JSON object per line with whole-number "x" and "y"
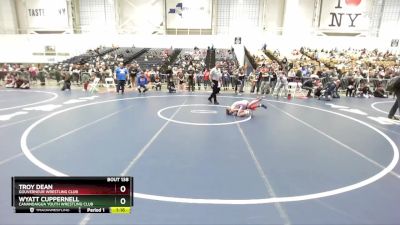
{"x": 122, "y": 189}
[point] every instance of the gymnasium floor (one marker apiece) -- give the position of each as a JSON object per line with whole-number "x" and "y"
{"x": 301, "y": 161}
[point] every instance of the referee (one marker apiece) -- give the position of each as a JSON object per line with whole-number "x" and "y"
{"x": 215, "y": 77}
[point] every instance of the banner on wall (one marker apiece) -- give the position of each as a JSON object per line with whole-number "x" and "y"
{"x": 188, "y": 14}
{"x": 348, "y": 16}
{"x": 46, "y": 14}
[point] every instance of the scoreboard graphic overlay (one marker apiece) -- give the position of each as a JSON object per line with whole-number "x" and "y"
{"x": 72, "y": 194}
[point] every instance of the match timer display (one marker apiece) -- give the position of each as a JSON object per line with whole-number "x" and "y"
{"x": 72, "y": 194}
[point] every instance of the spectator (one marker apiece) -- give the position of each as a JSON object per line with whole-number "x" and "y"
{"x": 121, "y": 74}
{"x": 206, "y": 78}
{"x": 85, "y": 80}
{"x": 9, "y": 81}
{"x": 157, "y": 83}
{"x": 33, "y": 71}
{"x": 318, "y": 88}
{"x": 199, "y": 78}
{"x": 282, "y": 83}
{"x": 181, "y": 81}
{"x": 365, "y": 90}
{"x": 253, "y": 81}
{"x": 264, "y": 86}
{"x": 142, "y": 82}
{"x": 380, "y": 91}
{"x": 273, "y": 79}
{"x": 42, "y": 76}
{"x": 241, "y": 78}
{"x": 308, "y": 85}
{"x": 67, "y": 81}
{"x": 225, "y": 79}
{"x": 350, "y": 87}
{"x": 170, "y": 80}
{"x": 331, "y": 90}
{"x": 132, "y": 75}
{"x": 235, "y": 79}
{"x": 75, "y": 74}
{"x": 190, "y": 76}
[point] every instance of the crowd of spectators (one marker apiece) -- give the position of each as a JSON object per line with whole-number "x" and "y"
{"x": 79, "y": 70}
{"x": 355, "y": 72}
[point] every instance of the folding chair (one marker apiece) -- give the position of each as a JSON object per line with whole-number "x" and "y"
{"x": 93, "y": 85}
{"x": 295, "y": 88}
{"x": 109, "y": 81}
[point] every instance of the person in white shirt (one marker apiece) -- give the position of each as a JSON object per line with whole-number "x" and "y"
{"x": 215, "y": 77}
{"x": 282, "y": 83}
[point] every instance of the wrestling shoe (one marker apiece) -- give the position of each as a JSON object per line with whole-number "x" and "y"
{"x": 394, "y": 118}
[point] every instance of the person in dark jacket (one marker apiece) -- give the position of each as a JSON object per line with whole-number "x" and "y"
{"x": 350, "y": 87}
{"x": 170, "y": 80}
{"x": 308, "y": 85}
{"x": 331, "y": 90}
{"x": 42, "y": 76}
{"x": 190, "y": 79}
{"x": 67, "y": 81}
{"x": 380, "y": 91}
{"x": 394, "y": 86}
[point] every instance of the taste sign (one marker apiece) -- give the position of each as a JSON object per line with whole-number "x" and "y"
{"x": 344, "y": 15}
{"x": 44, "y": 15}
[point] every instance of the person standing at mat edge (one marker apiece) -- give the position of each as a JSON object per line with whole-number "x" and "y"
{"x": 215, "y": 77}
{"x": 394, "y": 86}
{"x": 121, "y": 74}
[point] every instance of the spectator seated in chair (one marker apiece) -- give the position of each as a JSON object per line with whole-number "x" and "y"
{"x": 18, "y": 81}
{"x": 365, "y": 91}
{"x": 25, "y": 84}
{"x": 380, "y": 92}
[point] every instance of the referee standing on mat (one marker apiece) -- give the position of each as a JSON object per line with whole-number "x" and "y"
{"x": 215, "y": 77}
